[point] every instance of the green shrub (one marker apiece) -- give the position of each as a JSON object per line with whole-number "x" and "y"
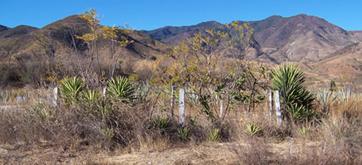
{"x": 289, "y": 79}
{"x": 70, "y": 88}
{"x": 300, "y": 113}
{"x": 325, "y": 99}
{"x": 253, "y": 129}
{"x": 183, "y": 133}
{"x": 40, "y": 111}
{"x": 161, "y": 123}
{"x": 90, "y": 96}
{"x": 121, "y": 88}
{"x": 214, "y": 135}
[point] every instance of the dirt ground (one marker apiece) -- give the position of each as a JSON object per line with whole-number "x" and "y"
{"x": 208, "y": 153}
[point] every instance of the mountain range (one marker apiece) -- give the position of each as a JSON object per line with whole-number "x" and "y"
{"x": 322, "y": 48}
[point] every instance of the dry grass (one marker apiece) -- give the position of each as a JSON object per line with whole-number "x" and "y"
{"x": 137, "y": 132}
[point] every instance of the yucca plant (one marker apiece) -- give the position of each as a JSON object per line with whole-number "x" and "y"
{"x": 325, "y": 99}
{"x": 344, "y": 95}
{"x": 161, "y": 123}
{"x": 300, "y": 113}
{"x": 303, "y": 131}
{"x": 70, "y": 89}
{"x": 288, "y": 79}
{"x": 41, "y": 111}
{"x": 253, "y": 129}
{"x": 121, "y": 88}
{"x": 90, "y": 96}
{"x": 183, "y": 133}
{"x": 214, "y": 135}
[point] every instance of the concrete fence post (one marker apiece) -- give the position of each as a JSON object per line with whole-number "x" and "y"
{"x": 55, "y": 96}
{"x": 104, "y": 90}
{"x": 277, "y": 108}
{"x": 270, "y": 103}
{"x": 182, "y": 106}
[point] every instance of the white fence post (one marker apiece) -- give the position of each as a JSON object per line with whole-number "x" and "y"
{"x": 104, "y": 90}
{"x": 182, "y": 106}
{"x": 270, "y": 103}
{"x": 55, "y": 96}
{"x": 221, "y": 109}
{"x": 277, "y": 108}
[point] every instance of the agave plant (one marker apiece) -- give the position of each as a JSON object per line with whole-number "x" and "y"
{"x": 289, "y": 79}
{"x": 90, "y": 96}
{"x": 344, "y": 95}
{"x": 214, "y": 135}
{"x": 300, "y": 113}
{"x": 70, "y": 89}
{"x": 325, "y": 99}
{"x": 121, "y": 88}
{"x": 183, "y": 133}
{"x": 252, "y": 129}
{"x": 161, "y": 123}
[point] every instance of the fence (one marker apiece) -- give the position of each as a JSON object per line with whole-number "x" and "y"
{"x": 22, "y": 97}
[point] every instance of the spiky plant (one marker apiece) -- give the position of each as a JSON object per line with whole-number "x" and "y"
{"x": 90, "y": 99}
{"x": 161, "y": 123}
{"x": 121, "y": 88}
{"x": 253, "y": 129}
{"x": 288, "y": 79}
{"x": 325, "y": 99}
{"x": 214, "y": 135}
{"x": 70, "y": 89}
{"x": 90, "y": 96}
{"x": 183, "y": 133}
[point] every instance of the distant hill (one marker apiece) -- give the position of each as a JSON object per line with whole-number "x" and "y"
{"x": 61, "y": 35}
{"x": 321, "y": 47}
{"x": 173, "y": 34}
{"x": 2, "y": 28}
{"x": 298, "y": 38}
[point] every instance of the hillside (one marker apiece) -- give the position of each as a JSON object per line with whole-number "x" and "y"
{"x": 310, "y": 41}
{"x": 61, "y": 36}
{"x": 345, "y": 65}
{"x": 300, "y": 38}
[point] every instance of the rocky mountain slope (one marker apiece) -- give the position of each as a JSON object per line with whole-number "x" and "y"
{"x": 299, "y": 38}
{"x": 61, "y": 38}
{"x": 319, "y": 46}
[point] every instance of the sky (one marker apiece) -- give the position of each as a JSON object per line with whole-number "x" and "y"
{"x": 151, "y": 14}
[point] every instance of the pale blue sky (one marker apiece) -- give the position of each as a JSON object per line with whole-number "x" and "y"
{"x": 150, "y": 14}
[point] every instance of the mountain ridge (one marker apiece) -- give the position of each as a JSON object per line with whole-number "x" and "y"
{"x": 275, "y": 35}
{"x": 308, "y": 40}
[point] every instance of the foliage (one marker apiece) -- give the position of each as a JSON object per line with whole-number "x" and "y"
{"x": 253, "y": 129}
{"x": 40, "y": 111}
{"x": 303, "y": 131}
{"x": 121, "y": 88}
{"x": 183, "y": 133}
{"x": 296, "y": 99}
{"x": 214, "y": 135}
{"x": 108, "y": 133}
{"x": 300, "y": 113}
{"x": 161, "y": 123}
{"x": 70, "y": 88}
{"x": 344, "y": 95}
{"x": 325, "y": 99}
{"x": 114, "y": 35}
{"x": 90, "y": 96}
